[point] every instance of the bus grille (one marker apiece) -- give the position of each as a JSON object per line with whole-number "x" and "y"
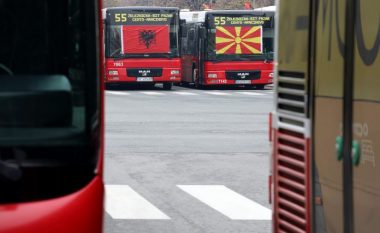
{"x": 291, "y": 97}
{"x": 291, "y": 157}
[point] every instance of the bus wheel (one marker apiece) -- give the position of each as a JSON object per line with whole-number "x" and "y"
{"x": 149, "y": 85}
{"x": 167, "y": 86}
{"x": 259, "y": 87}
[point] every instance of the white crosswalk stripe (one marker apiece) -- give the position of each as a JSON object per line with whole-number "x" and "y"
{"x": 251, "y": 93}
{"x": 184, "y": 93}
{"x": 192, "y": 93}
{"x": 217, "y": 93}
{"x": 122, "y": 202}
{"x": 151, "y": 93}
{"x": 228, "y": 202}
{"x": 117, "y": 93}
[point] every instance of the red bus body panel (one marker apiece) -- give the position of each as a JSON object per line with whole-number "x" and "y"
{"x": 220, "y": 68}
{"x": 290, "y": 186}
{"x": 75, "y": 213}
{"x": 121, "y": 66}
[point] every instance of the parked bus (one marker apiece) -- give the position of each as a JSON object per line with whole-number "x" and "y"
{"x": 51, "y": 117}
{"x": 142, "y": 45}
{"x": 325, "y": 128}
{"x": 229, "y": 47}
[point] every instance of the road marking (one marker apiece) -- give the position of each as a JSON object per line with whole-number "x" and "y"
{"x": 228, "y": 202}
{"x": 122, "y": 202}
{"x": 184, "y": 93}
{"x": 151, "y": 93}
{"x": 250, "y": 93}
{"x": 117, "y": 93}
{"x": 216, "y": 93}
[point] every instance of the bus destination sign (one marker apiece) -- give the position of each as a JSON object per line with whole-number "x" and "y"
{"x": 265, "y": 21}
{"x": 123, "y": 18}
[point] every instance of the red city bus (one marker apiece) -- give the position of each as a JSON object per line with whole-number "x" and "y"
{"x": 142, "y": 45}
{"x": 230, "y": 47}
{"x": 325, "y": 128}
{"x": 51, "y": 117}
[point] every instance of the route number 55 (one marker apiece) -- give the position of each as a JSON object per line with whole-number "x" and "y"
{"x": 220, "y": 20}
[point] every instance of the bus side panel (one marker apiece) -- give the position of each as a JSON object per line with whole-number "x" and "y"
{"x": 292, "y": 202}
{"x": 366, "y": 128}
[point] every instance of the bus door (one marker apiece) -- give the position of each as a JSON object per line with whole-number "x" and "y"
{"x": 201, "y": 54}
{"x": 346, "y": 130}
{"x": 189, "y": 52}
{"x": 366, "y": 113}
{"x": 328, "y": 115}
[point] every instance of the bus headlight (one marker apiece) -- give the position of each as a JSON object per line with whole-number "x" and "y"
{"x": 113, "y": 72}
{"x": 212, "y": 75}
{"x": 174, "y": 72}
{"x": 271, "y": 75}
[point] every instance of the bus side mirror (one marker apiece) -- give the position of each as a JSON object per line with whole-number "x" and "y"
{"x": 202, "y": 33}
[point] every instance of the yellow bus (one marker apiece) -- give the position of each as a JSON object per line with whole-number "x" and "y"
{"x": 324, "y": 129}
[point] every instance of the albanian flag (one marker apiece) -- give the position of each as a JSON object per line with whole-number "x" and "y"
{"x": 146, "y": 39}
{"x": 239, "y": 40}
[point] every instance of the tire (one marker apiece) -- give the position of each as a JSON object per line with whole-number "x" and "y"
{"x": 107, "y": 86}
{"x": 167, "y": 86}
{"x": 259, "y": 86}
{"x": 148, "y": 85}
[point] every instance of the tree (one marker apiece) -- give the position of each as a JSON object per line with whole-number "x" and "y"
{"x": 190, "y": 4}
{"x": 196, "y": 4}
{"x": 262, "y": 3}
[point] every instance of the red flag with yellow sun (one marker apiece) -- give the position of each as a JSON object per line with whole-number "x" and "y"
{"x": 239, "y": 40}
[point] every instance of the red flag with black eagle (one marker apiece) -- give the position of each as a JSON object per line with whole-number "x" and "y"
{"x": 146, "y": 39}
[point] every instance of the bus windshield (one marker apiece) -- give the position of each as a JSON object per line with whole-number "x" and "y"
{"x": 50, "y": 101}
{"x": 239, "y": 37}
{"x": 141, "y": 33}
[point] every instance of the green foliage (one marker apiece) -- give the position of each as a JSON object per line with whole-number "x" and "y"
{"x": 262, "y": 3}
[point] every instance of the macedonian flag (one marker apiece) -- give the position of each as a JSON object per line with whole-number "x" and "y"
{"x": 239, "y": 40}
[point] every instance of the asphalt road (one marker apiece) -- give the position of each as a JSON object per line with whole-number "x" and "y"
{"x": 187, "y": 161}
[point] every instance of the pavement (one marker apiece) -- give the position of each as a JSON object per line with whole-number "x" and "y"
{"x": 187, "y": 160}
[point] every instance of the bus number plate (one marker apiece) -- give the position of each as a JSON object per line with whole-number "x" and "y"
{"x": 243, "y": 81}
{"x": 144, "y": 79}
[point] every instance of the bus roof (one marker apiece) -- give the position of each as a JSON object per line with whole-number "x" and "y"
{"x": 200, "y": 16}
{"x": 193, "y": 16}
{"x": 267, "y": 8}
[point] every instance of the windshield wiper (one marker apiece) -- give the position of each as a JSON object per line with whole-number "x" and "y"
{"x": 119, "y": 57}
{"x": 13, "y": 171}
